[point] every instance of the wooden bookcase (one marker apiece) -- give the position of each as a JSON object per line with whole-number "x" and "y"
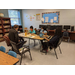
{"x": 5, "y": 26}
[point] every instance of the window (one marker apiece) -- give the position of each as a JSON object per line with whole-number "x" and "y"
{"x": 15, "y": 17}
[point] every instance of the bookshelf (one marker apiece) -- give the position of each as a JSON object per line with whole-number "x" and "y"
{"x": 5, "y": 26}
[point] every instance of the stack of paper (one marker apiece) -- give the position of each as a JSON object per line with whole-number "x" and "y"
{"x": 32, "y": 36}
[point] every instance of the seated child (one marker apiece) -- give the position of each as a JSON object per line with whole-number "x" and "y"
{"x": 32, "y": 31}
{"x": 45, "y": 43}
{"x": 35, "y": 31}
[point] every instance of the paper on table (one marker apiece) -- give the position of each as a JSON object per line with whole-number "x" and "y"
{"x": 32, "y": 36}
{"x": 51, "y": 21}
{"x": 46, "y": 19}
{"x": 55, "y": 18}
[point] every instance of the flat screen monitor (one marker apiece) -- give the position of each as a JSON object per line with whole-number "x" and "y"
{"x": 72, "y": 28}
{"x": 66, "y": 26}
{"x": 42, "y": 26}
{"x": 60, "y": 26}
{"x": 52, "y": 27}
{"x": 48, "y": 27}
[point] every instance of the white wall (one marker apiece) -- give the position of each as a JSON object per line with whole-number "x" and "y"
{"x": 5, "y": 12}
{"x": 67, "y": 16}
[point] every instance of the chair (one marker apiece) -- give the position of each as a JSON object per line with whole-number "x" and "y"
{"x": 17, "y": 50}
{"x": 55, "y": 46}
{"x": 2, "y": 49}
{"x": 12, "y": 53}
{"x": 58, "y": 45}
{"x": 7, "y": 40}
{"x": 66, "y": 35}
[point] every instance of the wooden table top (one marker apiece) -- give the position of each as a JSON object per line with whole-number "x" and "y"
{"x": 33, "y": 36}
{"x": 6, "y": 59}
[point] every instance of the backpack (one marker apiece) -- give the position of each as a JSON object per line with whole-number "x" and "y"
{"x": 65, "y": 33}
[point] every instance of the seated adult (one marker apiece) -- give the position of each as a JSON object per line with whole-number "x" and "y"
{"x": 13, "y": 36}
{"x": 32, "y": 30}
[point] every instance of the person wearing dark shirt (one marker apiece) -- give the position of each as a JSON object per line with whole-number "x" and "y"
{"x": 13, "y": 36}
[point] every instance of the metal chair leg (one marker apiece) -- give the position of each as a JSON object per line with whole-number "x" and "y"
{"x": 68, "y": 39}
{"x": 55, "y": 53}
{"x": 46, "y": 53}
{"x": 30, "y": 55}
{"x": 60, "y": 50}
{"x": 40, "y": 47}
{"x": 24, "y": 54}
{"x": 21, "y": 60}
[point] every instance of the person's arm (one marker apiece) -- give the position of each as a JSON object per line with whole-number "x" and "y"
{"x": 46, "y": 38}
{"x": 45, "y": 32}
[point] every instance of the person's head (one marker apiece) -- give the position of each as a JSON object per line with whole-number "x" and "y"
{"x": 16, "y": 27}
{"x": 44, "y": 28}
{"x": 35, "y": 29}
{"x": 58, "y": 31}
{"x": 41, "y": 27}
{"x": 31, "y": 28}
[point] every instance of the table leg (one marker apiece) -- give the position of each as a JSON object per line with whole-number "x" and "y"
{"x": 40, "y": 46}
{"x": 29, "y": 41}
{"x": 34, "y": 42}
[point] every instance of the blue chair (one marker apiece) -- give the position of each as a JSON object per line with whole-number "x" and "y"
{"x": 12, "y": 53}
{"x": 2, "y": 49}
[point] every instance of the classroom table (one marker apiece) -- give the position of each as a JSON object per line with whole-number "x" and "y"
{"x": 6, "y": 59}
{"x": 31, "y": 36}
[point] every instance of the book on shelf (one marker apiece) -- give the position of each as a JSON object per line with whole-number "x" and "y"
{"x": 1, "y": 39}
{"x": 6, "y": 30}
{"x": 0, "y": 21}
{"x": 7, "y": 26}
{"x": 0, "y": 30}
{"x": 1, "y": 35}
{"x": 0, "y": 26}
{"x": 7, "y": 34}
{"x": 6, "y": 21}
